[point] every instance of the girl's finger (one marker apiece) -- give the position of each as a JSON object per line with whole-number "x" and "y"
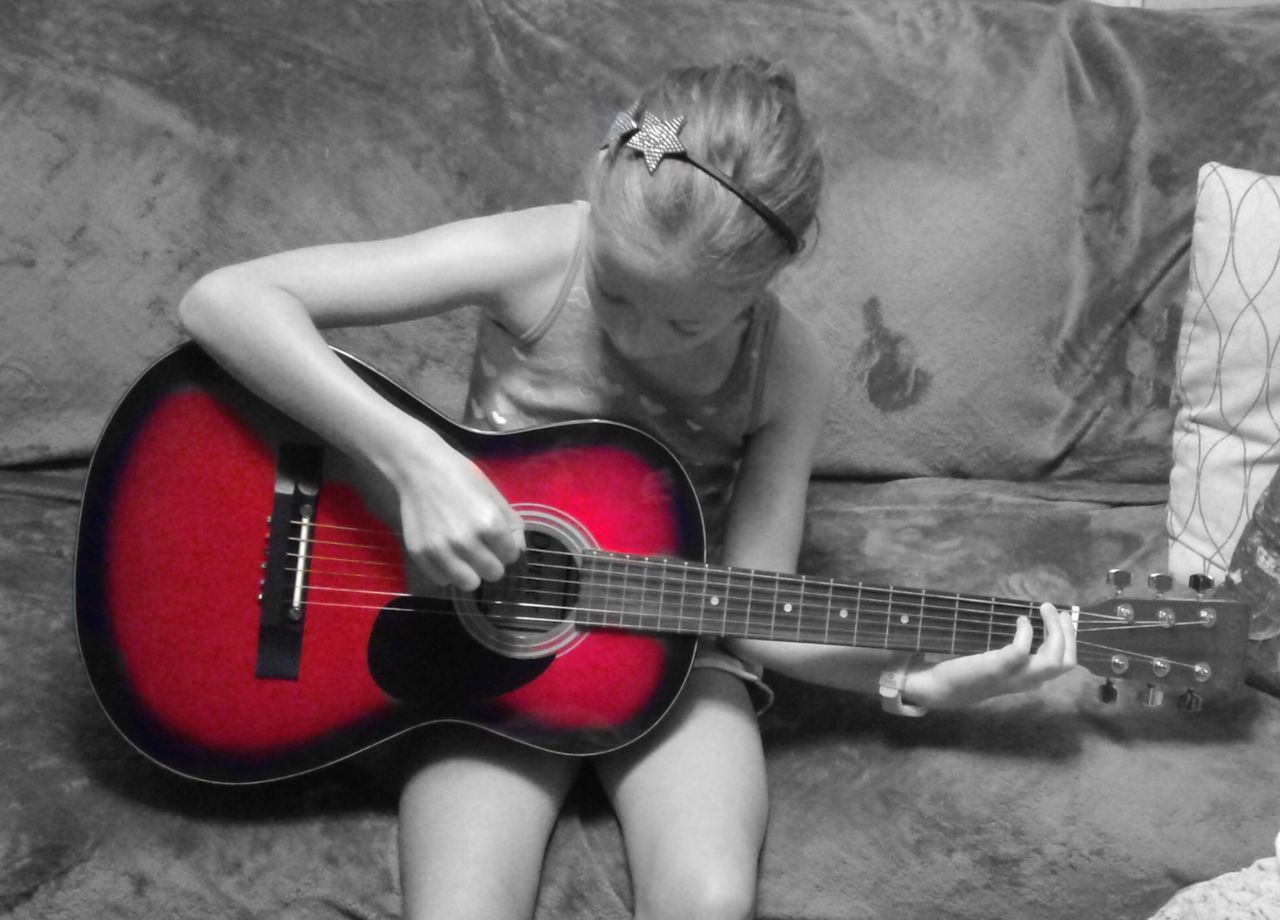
{"x": 1069, "y": 632}
{"x": 1022, "y": 636}
{"x": 1051, "y": 648}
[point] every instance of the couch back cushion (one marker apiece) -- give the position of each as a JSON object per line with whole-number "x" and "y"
{"x": 1003, "y": 245}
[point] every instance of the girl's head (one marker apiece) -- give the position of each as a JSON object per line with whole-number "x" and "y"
{"x": 744, "y": 119}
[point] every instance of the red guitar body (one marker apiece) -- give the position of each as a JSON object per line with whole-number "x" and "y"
{"x": 217, "y": 657}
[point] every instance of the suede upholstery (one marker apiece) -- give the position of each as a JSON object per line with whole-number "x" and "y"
{"x": 1000, "y": 276}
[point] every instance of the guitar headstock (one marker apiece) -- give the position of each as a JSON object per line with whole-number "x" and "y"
{"x": 1192, "y": 646}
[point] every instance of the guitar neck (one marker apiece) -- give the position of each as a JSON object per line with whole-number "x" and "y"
{"x": 674, "y": 596}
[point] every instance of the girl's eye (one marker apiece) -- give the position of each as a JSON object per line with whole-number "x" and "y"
{"x": 685, "y": 327}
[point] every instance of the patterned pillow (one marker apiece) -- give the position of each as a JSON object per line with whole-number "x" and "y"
{"x": 1226, "y": 432}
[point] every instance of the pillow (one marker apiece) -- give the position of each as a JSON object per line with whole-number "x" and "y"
{"x": 1226, "y": 430}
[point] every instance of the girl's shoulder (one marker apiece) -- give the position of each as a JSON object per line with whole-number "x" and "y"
{"x": 536, "y": 248}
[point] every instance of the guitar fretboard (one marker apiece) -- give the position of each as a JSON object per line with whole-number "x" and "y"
{"x": 674, "y": 596}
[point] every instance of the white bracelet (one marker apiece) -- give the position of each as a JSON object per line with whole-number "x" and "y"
{"x": 892, "y": 680}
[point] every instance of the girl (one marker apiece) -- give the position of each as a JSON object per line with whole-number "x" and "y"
{"x": 648, "y": 303}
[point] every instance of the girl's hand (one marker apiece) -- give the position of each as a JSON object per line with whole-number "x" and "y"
{"x": 1012, "y": 669}
{"x": 458, "y": 529}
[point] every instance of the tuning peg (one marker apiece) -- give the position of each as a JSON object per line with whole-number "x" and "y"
{"x": 1160, "y": 582}
{"x": 1190, "y": 701}
{"x": 1151, "y": 696}
{"x": 1108, "y": 692}
{"x": 1200, "y": 583}
{"x": 1119, "y": 579}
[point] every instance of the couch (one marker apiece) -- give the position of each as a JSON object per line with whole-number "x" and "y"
{"x": 1006, "y": 276}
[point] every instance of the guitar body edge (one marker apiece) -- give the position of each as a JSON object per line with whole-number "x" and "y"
{"x": 181, "y": 530}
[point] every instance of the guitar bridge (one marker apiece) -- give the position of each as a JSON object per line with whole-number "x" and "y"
{"x": 283, "y": 601}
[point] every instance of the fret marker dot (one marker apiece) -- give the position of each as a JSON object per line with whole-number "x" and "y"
{"x": 844, "y": 614}
{"x": 905, "y": 619}
{"x": 786, "y": 608}
{"x": 715, "y": 602}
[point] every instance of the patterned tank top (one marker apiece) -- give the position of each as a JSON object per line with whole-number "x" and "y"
{"x": 566, "y": 368}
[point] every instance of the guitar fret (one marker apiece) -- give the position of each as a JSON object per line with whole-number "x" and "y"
{"x": 720, "y": 603}
{"x": 791, "y": 606}
{"x": 991, "y": 624}
{"x": 660, "y": 607}
{"x": 706, "y": 624}
{"x": 773, "y": 611}
{"x": 642, "y": 605}
{"x": 888, "y": 619}
{"x": 826, "y": 622}
{"x": 800, "y": 611}
{"x": 684, "y": 586}
{"x": 955, "y": 622}
{"x": 857, "y": 613}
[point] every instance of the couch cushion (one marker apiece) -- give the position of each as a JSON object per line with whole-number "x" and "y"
{"x": 1226, "y": 435}
{"x": 1003, "y": 244}
{"x": 1049, "y": 805}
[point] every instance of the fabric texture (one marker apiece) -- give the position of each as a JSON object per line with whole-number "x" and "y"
{"x": 1002, "y": 252}
{"x": 1000, "y": 275}
{"x": 1226, "y": 433}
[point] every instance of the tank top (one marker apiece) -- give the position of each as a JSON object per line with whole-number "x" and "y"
{"x": 565, "y": 367}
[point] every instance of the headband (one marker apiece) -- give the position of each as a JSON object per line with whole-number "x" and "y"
{"x": 657, "y": 139}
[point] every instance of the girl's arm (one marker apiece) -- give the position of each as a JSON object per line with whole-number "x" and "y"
{"x": 766, "y": 526}
{"x": 262, "y": 321}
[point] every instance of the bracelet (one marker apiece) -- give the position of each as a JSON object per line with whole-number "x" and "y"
{"x": 892, "y": 679}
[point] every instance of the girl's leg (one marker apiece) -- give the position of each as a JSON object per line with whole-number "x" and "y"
{"x": 692, "y": 800}
{"x": 475, "y": 817}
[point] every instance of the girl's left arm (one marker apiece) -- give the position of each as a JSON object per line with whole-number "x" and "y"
{"x": 766, "y": 526}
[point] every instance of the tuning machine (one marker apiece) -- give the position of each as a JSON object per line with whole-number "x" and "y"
{"x": 1200, "y": 583}
{"x": 1119, "y": 579}
{"x": 1108, "y": 693}
{"x": 1151, "y": 696}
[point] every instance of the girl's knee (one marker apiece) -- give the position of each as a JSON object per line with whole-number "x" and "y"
{"x": 704, "y": 893}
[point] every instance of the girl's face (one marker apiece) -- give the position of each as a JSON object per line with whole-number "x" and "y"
{"x": 649, "y": 311}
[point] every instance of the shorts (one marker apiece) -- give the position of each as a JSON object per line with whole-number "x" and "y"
{"x": 711, "y": 654}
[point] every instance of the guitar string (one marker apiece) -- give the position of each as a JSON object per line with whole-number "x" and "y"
{"x": 953, "y": 605}
{"x": 1087, "y": 652}
{"x": 961, "y": 639}
{"x": 796, "y": 583}
{"x": 647, "y": 565}
{"x": 799, "y": 580}
{"x": 667, "y": 594}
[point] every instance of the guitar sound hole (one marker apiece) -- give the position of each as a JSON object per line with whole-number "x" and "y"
{"x": 538, "y": 591}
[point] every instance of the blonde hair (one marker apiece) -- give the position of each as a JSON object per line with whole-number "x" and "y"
{"x": 742, "y": 116}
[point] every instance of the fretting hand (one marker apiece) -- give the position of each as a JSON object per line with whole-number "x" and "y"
{"x": 1014, "y": 668}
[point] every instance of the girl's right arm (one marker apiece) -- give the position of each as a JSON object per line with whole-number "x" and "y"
{"x": 262, "y": 321}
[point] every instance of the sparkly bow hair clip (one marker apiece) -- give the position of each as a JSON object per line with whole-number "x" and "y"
{"x": 656, "y": 139}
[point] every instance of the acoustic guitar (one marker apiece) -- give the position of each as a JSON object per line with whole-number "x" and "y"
{"x": 245, "y": 612}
